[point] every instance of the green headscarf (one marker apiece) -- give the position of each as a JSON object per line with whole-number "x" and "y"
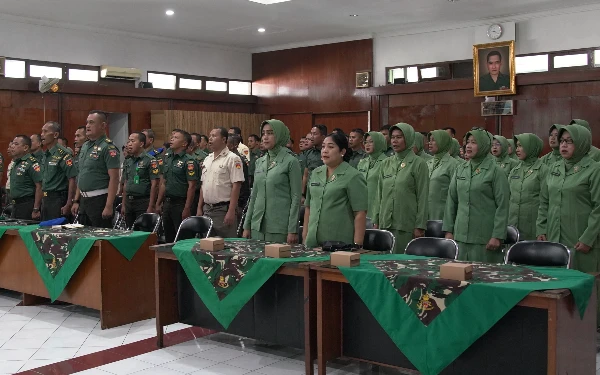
{"x": 379, "y": 145}
{"x": 532, "y": 144}
{"x": 513, "y": 147}
{"x": 556, "y": 151}
{"x": 484, "y": 145}
{"x": 443, "y": 141}
{"x": 455, "y": 148}
{"x": 282, "y": 136}
{"x": 504, "y": 144}
{"x": 582, "y": 139}
{"x": 581, "y": 122}
{"x": 409, "y": 138}
{"x": 418, "y": 143}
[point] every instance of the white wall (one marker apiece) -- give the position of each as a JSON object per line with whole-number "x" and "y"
{"x": 26, "y": 40}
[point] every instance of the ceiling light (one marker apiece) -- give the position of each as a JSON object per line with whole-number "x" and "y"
{"x": 261, "y": 30}
{"x": 354, "y": 15}
{"x": 268, "y": 2}
{"x": 169, "y": 12}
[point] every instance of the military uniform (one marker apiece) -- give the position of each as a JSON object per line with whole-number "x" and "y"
{"x": 39, "y": 156}
{"x": 594, "y": 153}
{"x": 356, "y": 157}
{"x": 419, "y": 138}
{"x": 254, "y": 155}
{"x": 95, "y": 159}
{"x": 503, "y": 160}
{"x": 553, "y": 156}
{"x": 401, "y": 200}
{"x": 441, "y": 169}
{"x": 332, "y": 202}
{"x": 178, "y": 170}
{"x": 487, "y": 83}
{"x": 313, "y": 159}
{"x": 57, "y": 169}
{"x": 389, "y": 152}
{"x": 455, "y": 150}
{"x": 24, "y": 176}
{"x": 198, "y": 155}
{"x": 369, "y": 168}
{"x": 138, "y": 175}
{"x": 275, "y": 200}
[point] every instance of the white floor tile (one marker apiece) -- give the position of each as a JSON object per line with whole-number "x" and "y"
{"x": 110, "y": 333}
{"x": 189, "y": 364}
{"x": 252, "y": 361}
{"x": 65, "y": 342}
{"x": 143, "y": 330}
{"x": 126, "y": 366}
{"x": 147, "y": 322}
{"x": 176, "y": 327}
{"x": 35, "y": 363}
{"x": 70, "y": 332}
{"x": 92, "y": 371}
{"x": 193, "y": 346}
{"x": 220, "y": 354}
{"x": 5, "y": 309}
{"x": 14, "y": 318}
{"x": 77, "y": 320}
{"x": 31, "y": 343}
{"x": 37, "y": 324}
{"x": 11, "y": 367}
{"x": 26, "y": 310}
{"x": 16, "y": 354}
{"x": 7, "y": 301}
{"x": 134, "y": 338}
{"x": 55, "y": 353}
{"x": 158, "y": 371}
{"x": 158, "y": 357}
{"x": 34, "y": 333}
{"x": 288, "y": 367}
{"x": 15, "y": 324}
{"x": 221, "y": 369}
{"x": 90, "y": 350}
{"x": 101, "y": 341}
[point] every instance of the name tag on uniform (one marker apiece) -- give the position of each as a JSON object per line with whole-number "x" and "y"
{"x": 52, "y": 163}
{"x": 460, "y": 178}
{"x": 515, "y": 177}
{"x": 257, "y": 172}
{"x": 555, "y": 173}
{"x": 388, "y": 176}
{"x": 315, "y": 184}
{"x": 362, "y": 170}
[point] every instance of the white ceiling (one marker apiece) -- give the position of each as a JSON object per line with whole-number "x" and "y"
{"x": 235, "y": 22}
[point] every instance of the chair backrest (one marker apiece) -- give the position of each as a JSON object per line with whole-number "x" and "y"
{"x": 379, "y": 240}
{"x": 539, "y": 253}
{"x": 301, "y": 212}
{"x": 194, "y": 227}
{"x": 147, "y": 223}
{"x": 512, "y": 235}
{"x": 118, "y": 220}
{"x": 434, "y": 229}
{"x": 8, "y": 210}
{"x": 433, "y": 247}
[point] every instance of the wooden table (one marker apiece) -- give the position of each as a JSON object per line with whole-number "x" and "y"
{"x": 543, "y": 334}
{"x": 121, "y": 290}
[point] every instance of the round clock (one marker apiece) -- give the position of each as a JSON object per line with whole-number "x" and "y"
{"x": 494, "y": 31}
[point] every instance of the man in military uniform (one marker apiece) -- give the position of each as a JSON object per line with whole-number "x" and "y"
{"x": 232, "y": 143}
{"x": 149, "y": 146}
{"x": 65, "y": 143}
{"x": 141, "y": 177}
{"x": 204, "y": 144}
{"x": 59, "y": 173}
{"x": 253, "y": 146}
{"x": 313, "y": 155}
{"x": 80, "y": 136}
{"x": 222, "y": 177}
{"x": 242, "y": 148}
{"x": 385, "y": 130}
{"x": 26, "y": 180}
{"x": 494, "y": 80}
{"x": 98, "y": 178}
{"x": 36, "y": 149}
{"x": 199, "y": 155}
{"x": 177, "y": 184}
{"x": 355, "y": 141}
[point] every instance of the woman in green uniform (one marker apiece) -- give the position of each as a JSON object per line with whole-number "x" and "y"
{"x": 275, "y": 200}
{"x": 336, "y": 197}
{"x": 441, "y": 169}
{"x": 418, "y": 146}
{"x": 500, "y": 152}
{"x": 375, "y": 145}
{"x": 512, "y": 150}
{"x": 402, "y": 190}
{"x": 477, "y": 207}
{"x": 526, "y": 181}
{"x": 553, "y": 156}
{"x": 455, "y": 150}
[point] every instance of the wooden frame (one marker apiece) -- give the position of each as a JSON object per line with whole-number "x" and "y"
{"x": 587, "y": 51}
{"x": 505, "y": 81}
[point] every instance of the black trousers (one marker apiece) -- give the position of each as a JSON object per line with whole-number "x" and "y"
{"x": 90, "y": 212}
{"x": 134, "y": 208}
{"x": 23, "y": 209}
{"x": 172, "y": 212}
{"x": 52, "y": 203}
{"x": 194, "y": 207}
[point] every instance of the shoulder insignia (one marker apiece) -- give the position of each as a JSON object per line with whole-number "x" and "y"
{"x": 108, "y": 140}
{"x": 190, "y": 165}
{"x": 112, "y": 152}
{"x": 36, "y": 167}
{"x": 69, "y": 162}
{"x": 238, "y": 164}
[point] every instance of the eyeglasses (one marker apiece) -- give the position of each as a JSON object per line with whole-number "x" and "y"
{"x": 567, "y": 141}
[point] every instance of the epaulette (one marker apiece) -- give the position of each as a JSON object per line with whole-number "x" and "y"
{"x": 107, "y": 140}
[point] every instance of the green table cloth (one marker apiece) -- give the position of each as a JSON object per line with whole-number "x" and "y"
{"x": 431, "y": 320}
{"x": 6, "y": 224}
{"x": 226, "y": 280}
{"x": 57, "y": 253}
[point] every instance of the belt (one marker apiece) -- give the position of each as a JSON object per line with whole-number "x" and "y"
{"x": 135, "y": 197}
{"x": 49, "y": 194}
{"x": 175, "y": 199}
{"x": 215, "y": 205}
{"x": 23, "y": 200}
{"x": 94, "y": 193}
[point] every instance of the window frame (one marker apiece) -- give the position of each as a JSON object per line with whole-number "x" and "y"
{"x": 588, "y": 51}
{"x": 29, "y": 63}
{"x": 238, "y": 80}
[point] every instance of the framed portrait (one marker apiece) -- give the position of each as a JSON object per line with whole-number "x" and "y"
{"x": 494, "y": 69}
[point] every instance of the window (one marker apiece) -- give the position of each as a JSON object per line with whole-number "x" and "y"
{"x": 216, "y": 86}
{"x": 429, "y": 73}
{"x": 83, "y": 75}
{"x": 531, "y": 64}
{"x": 14, "y": 69}
{"x": 566, "y": 61}
{"x": 162, "y": 81}
{"x": 396, "y": 76}
{"x": 412, "y": 74}
{"x": 48, "y": 71}
{"x": 240, "y": 88}
{"x": 192, "y": 84}
{"x": 597, "y": 58}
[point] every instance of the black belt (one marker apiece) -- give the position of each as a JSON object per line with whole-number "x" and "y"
{"x": 137, "y": 197}
{"x": 175, "y": 199}
{"x": 215, "y": 205}
{"x": 23, "y": 200}
{"x": 55, "y": 194}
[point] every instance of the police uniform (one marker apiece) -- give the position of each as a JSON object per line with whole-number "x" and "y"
{"x": 138, "y": 174}
{"x": 178, "y": 170}
{"x": 24, "y": 176}
{"x": 58, "y": 168}
{"x": 95, "y": 159}
{"x": 219, "y": 173}
{"x": 356, "y": 157}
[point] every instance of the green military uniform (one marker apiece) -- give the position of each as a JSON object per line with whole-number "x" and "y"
{"x": 369, "y": 167}
{"x": 333, "y": 202}
{"x": 301, "y": 160}
{"x": 178, "y": 169}
{"x": 389, "y": 151}
{"x": 553, "y": 156}
{"x": 24, "y": 176}
{"x": 594, "y": 153}
{"x": 401, "y": 200}
{"x": 356, "y": 157}
{"x": 418, "y": 144}
{"x": 254, "y": 155}
{"x": 503, "y": 160}
{"x": 526, "y": 181}
{"x": 39, "y": 156}
{"x": 513, "y": 150}
{"x": 198, "y": 155}
{"x": 95, "y": 159}
{"x": 477, "y": 206}
{"x": 57, "y": 169}
{"x": 487, "y": 83}
{"x": 313, "y": 159}
{"x": 275, "y": 200}
{"x": 455, "y": 150}
{"x": 570, "y": 203}
{"x": 139, "y": 173}
{"x": 441, "y": 169}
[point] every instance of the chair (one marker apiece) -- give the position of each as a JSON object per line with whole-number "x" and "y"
{"x": 147, "y": 223}
{"x": 194, "y": 227}
{"x": 512, "y": 235}
{"x": 379, "y": 240}
{"x": 118, "y": 220}
{"x": 434, "y": 229}
{"x": 433, "y": 247}
{"x": 369, "y": 223}
{"x": 301, "y": 212}
{"x": 8, "y": 210}
{"x": 539, "y": 253}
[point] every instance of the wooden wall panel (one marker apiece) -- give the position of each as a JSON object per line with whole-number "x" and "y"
{"x": 345, "y": 121}
{"x": 298, "y": 123}
{"x": 212, "y": 107}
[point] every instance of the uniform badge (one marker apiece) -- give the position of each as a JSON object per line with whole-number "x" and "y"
{"x": 501, "y": 165}
{"x": 332, "y": 178}
{"x": 112, "y": 153}
{"x": 272, "y": 164}
{"x": 576, "y": 168}
{"x": 141, "y": 164}
{"x": 160, "y": 162}
{"x": 154, "y": 164}
{"x": 36, "y": 167}
{"x": 179, "y": 164}
{"x": 190, "y": 167}
{"x": 69, "y": 162}
{"x": 402, "y": 165}
{"x": 246, "y": 152}
{"x": 530, "y": 171}
{"x": 477, "y": 170}
{"x": 238, "y": 165}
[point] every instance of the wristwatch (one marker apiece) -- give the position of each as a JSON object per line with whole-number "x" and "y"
{"x": 36, "y": 209}
{"x": 75, "y": 201}
{"x": 358, "y": 246}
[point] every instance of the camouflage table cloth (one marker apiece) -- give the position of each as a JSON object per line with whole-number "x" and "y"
{"x": 432, "y": 321}
{"x": 6, "y": 224}
{"x": 226, "y": 280}
{"x": 57, "y": 253}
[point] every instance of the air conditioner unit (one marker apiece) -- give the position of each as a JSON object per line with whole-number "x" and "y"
{"x": 119, "y": 73}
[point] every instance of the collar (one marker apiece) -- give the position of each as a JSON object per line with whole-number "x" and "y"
{"x": 102, "y": 138}
{"x": 222, "y": 153}
{"x": 140, "y": 155}
{"x": 52, "y": 150}
{"x": 180, "y": 154}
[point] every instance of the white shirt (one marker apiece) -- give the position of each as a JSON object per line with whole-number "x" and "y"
{"x": 244, "y": 150}
{"x": 219, "y": 174}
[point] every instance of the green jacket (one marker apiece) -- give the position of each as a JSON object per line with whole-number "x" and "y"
{"x": 254, "y": 155}
{"x": 487, "y": 83}
{"x": 526, "y": 181}
{"x": 455, "y": 150}
{"x": 513, "y": 150}
{"x": 39, "y": 156}
{"x": 138, "y": 174}
{"x": 389, "y": 151}
{"x": 313, "y": 159}
{"x": 58, "y": 168}
{"x": 24, "y": 175}
{"x": 333, "y": 203}
{"x": 178, "y": 169}
{"x": 403, "y": 189}
{"x": 418, "y": 144}
{"x": 478, "y": 197}
{"x": 369, "y": 167}
{"x": 95, "y": 159}
{"x": 553, "y": 156}
{"x": 356, "y": 157}
{"x": 594, "y": 153}
{"x": 504, "y": 161}
{"x": 441, "y": 169}
{"x": 275, "y": 199}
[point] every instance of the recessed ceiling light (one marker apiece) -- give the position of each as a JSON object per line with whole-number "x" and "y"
{"x": 169, "y": 12}
{"x": 354, "y": 15}
{"x": 261, "y": 30}
{"x": 269, "y": 2}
